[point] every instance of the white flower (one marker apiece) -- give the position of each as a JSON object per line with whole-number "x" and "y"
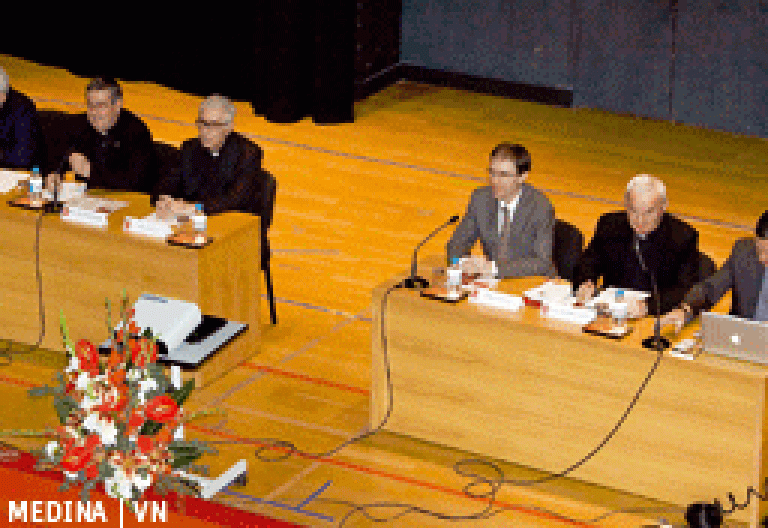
{"x": 83, "y": 380}
{"x": 135, "y": 374}
{"x": 144, "y": 387}
{"x": 118, "y": 486}
{"x": 74, "y": 364}
{"x": 142, "y": 482}
{"x": 104, "y": 428}
{"x": 51, "y": 448}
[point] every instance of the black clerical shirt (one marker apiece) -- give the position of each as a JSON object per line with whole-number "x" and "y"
{"x": 123, "y": 158}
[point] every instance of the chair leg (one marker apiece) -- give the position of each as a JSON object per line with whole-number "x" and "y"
{"x": 270, "y": 295}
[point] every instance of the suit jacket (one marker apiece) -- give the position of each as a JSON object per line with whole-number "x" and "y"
{"x": 124, "y": 158}
{"x": 670, "y": 252}
{"x": 742, "y": 273}
{"x": 21, "y": 137}
{"x": 531, "y": 237}
{"x": 239, "y": 181}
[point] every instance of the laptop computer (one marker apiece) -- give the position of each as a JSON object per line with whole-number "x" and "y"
{"x": 730, "y": 336}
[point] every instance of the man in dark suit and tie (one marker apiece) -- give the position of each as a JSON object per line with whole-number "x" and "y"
{"x": 513, "y": 221}
{"x": 628, "y": 246}
{"x": 220, "y": 168}
{"x": 744, "y": 273}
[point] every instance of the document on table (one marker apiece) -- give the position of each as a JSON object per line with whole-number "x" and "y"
{"x": 150, "y": 225}
{"x": 10, "y": 179}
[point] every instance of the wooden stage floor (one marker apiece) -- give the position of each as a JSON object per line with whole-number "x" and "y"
{"x": 353, "y": 200}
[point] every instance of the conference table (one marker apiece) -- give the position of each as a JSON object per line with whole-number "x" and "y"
{"x": 82, "y": 266}
{"x": 541, "y": 393}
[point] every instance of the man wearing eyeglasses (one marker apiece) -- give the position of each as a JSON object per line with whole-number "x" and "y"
{"x": 220, "y": 168}
{"x": 513, "y": 221}
{"x": 110, "y": 147}
{"x": 628, "y": 246}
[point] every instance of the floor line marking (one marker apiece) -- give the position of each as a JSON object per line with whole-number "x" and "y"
{"x": 304, "y": 377}
{"x": 411, "y": 166}
{"x": 289, "y": 421}
{"x": 291, "y": 482}
{"x": 396, "y": 477}
{"x": 319, "y": 308}
{"x": 279, "y": 505}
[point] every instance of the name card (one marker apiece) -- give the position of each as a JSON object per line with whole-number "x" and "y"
{"x": 84, "y": 216}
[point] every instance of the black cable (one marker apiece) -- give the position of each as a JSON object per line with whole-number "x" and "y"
{"x": 494, "y": 484}
{"x": 7, "y": 353}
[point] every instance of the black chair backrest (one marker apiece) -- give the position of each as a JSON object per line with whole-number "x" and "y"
{"x": 706, "y": 266}
{"x": 568, "y": 246}
{"x": 268, "y": 194}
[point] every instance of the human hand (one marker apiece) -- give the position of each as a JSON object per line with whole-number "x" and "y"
{"x": 52, "y": 181}
{"x": 80, "y": 164}
{"x": 478, "y": 265}
{"x": 674, "y": 318}
{"x": 585, "y": 292}
{"x": 636, "y": 308}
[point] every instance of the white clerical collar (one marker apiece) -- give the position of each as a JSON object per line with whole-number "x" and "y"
{"x": 513, "y": 203}
{"x": 215, "y": 154}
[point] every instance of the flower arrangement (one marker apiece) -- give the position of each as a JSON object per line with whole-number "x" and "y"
{"x": 118, "y": 417}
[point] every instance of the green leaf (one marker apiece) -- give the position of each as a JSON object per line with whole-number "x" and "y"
{"x": 63, "y": 408}
{"x": 37, "y": 392}
{"x": 150, "y": 428}
{"x": 181, "y": 395}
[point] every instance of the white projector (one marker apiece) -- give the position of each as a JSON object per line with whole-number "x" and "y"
{"x": 170, "y": 320}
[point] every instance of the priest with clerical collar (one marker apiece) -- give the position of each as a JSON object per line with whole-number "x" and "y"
{"x": 110, "y": 147}
{"x": 219, "y": 169}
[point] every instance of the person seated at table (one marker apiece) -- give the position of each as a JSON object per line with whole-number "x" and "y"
{"x": 21, "y": 137}
{"x": 745, "y": 273}
{"x": 513, "y": 220}
{"x": 110, "y": 147}
{"x": 628, "y": 246}
{"x": 220, "y": 168}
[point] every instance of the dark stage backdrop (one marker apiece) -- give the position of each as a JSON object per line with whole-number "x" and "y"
{"x": 290, "y": 59}
{"x": 700, "y": 62}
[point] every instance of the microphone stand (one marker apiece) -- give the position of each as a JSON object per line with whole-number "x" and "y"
{"x": 55, "y": 206}
{"x": 415, "y": 282}
{"x": 656, "y": 341}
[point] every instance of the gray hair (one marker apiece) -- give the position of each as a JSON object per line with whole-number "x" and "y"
{"x": 4, "y": 82}
{"x": 98, "y": 84}
{"x": 220, "y": 102}
{"x": 645, "y": 183}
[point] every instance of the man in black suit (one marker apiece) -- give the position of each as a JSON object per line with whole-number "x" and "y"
{"x": 21, "y": 138}
{"x": 220, "y": 168}
{"x": 744, "y": 273}
{"x": 630, "y": 245}
{"x": 110, "y": 147}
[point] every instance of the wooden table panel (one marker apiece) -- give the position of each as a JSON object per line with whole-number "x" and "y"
{"x": 543, "y": 394}
{"x": 82, "y": 266}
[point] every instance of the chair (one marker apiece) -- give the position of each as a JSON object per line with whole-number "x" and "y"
{"x": 267, "y": 208}
{"x": 706, "y": 267}
{"x": 568, "y": 246}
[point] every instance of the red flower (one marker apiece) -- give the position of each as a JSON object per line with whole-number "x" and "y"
{"x": 143, "y": 351}
{"x": 76, "y": 458}
{"x": 162, "y": 409}
{"x": 92, "y": 471}
{"x": 88, "y": 356}
{"x": 145, "y": 444}
{"x": 114, "y": 400}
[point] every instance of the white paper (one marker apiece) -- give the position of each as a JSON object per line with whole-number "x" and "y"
{"x": 569, "y": 314}
{"x": 94, "y": 203}
{"x": 10, "y": 179}
{"x": 494, "y": 299}
{"x": 84, "y": 216}
{"x": 551, "y": 292}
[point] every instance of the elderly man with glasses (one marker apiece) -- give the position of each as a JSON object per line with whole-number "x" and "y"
{"x": 628, "y": 246}
{"x": 110, "y": 147}
{"x": 220, "y": 168}
{"x": 21, "y": 139}
{"x": 513, "y": 221}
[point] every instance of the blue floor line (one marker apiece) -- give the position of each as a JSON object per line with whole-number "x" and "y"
{"x": 319, "y": 308}
{"x": 296, "y": 509}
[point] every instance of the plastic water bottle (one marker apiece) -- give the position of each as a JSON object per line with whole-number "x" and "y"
{"x": 35, "y": 185}
{"x": 200, "y": 223}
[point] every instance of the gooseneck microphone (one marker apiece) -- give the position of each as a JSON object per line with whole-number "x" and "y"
{"x": 656, "y": 341}
{"x": 414, "y": 281}
{"x": 55, "y": 206}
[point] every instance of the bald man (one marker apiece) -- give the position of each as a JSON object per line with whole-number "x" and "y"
{"x": 220, "y": 168}
{"x": 629, "y": 245}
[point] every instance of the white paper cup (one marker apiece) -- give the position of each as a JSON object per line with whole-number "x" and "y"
{"x": 199, "y": 222}
{"x": 35, "y": 185}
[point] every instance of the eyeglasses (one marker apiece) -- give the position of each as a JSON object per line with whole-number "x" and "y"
{"x": 502, "y": 174}
{"x": 209, "y": 124}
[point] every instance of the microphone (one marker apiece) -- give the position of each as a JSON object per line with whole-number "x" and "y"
{"x": 656, "y": 341}
{"x": 56, "y": 207}
{"x": 414, "y": 281}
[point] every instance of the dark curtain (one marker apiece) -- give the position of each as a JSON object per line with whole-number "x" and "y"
{"x": 289, "y": 59}
{"x": 303, "y": 61}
